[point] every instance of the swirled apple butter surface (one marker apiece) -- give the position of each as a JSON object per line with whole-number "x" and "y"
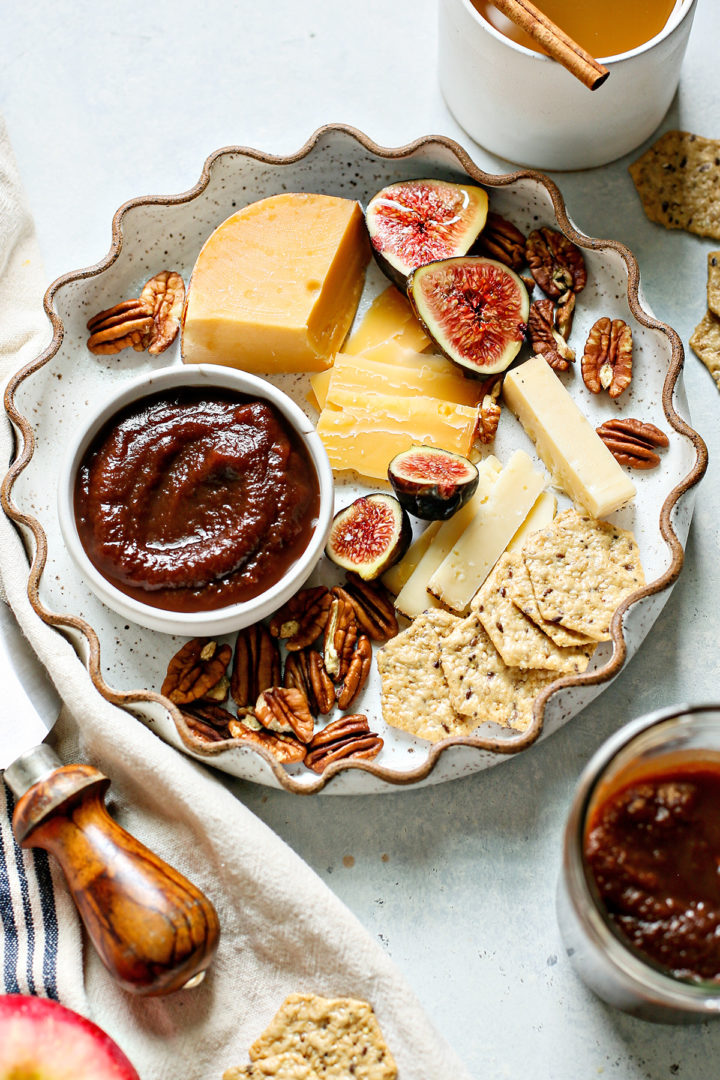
{"x": 653, "y": 848}
{"x": 190, "y": 500}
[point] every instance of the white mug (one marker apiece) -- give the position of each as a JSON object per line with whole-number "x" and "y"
{"x": 525, "y": 107}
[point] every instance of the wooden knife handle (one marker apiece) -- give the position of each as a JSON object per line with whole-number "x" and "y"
{"x": 154, "y": 930}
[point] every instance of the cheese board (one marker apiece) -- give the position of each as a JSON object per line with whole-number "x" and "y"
{"x": 49, "y": 398}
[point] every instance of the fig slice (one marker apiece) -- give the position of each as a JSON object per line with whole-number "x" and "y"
{"x": 474, "y": 309}
{"x": 369, "y": 535}
{"x": 414, "y": 222}
{"x": 432, "y": 483}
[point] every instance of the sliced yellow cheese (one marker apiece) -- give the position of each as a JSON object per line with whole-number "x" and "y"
{"x": 276, "y": 286}
{"x": 481, "y": 544}
{"x": 414, "y": 598}
{"x": 542, "y": 514}
{"x": 394, "y": 578}
{"x": 578, "y": 459}
{"x": 362, "y": 376}
{"x": 393, "y": 352}
{"x": 365, "y": 431}
{"x": 388, "y": 317}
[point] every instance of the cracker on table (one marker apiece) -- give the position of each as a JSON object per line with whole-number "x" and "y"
{"x": 678, "y": 181}
{"x": 481, "y": 684}
{"x": 335, "y": 1037}
{"x": 414, "y": 693}
{"x": 522, "y": 595}
{"x": 280, "y": 1067}
{"x": 519, "y": 641}
{"x": 705, "y": 343}
{"x": 581, "y": 570}
{"x": 713, "y": 282}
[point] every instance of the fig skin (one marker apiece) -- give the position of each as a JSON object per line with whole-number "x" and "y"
{"x": 430, "y": 495}
{"x": 429, "y": 210}
{"x": 364, "y": 516}
{"x": 499, "y": 315}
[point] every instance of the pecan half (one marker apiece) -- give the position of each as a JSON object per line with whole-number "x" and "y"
{"x": 373, "y": 606}
{"x": 341, "y": 633}
{"x": 285, "y": 748}
{"x": 119, "y": 327}
{"x": 302, "y": 620}
{"x": 209, "y": 722}
{"x": 357, "y": 673}
{"x": 285, "y": 710}
{"x": 502, "y": 241}
{"x": 256, "y": 665}
{"x": 564, "y": 313}
{"x": 555, "y": 262}
{"x": 632, "y": 442}
{"x": 488, "y": 409}
{"x": 164, "y": 296}
{"x": 305, "y": 671}
{"x": 197, "y": 671}
{"x": 545, "y": 339}
{"x": 348, "y": 737}
{"x": 607, "y": 360}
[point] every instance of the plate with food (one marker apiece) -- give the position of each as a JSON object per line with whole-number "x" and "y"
{"x": 372, "y": 468}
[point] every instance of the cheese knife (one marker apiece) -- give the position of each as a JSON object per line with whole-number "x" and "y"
{"x": 153, "y": 929}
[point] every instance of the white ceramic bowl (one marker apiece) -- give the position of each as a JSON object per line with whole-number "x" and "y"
{"x": 527, "y": 108}
{"x": 233, "y": 616}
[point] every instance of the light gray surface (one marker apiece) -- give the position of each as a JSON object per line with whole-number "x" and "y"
{"x": 105, "y": 102}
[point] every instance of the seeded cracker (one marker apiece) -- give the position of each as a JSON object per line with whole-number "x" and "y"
{"x": 705, "y": 343}
{"x": 713, "y": 282}
{"x": 522, "y": 595}
{"x": 337, "y": 1038}
{"x": 678, "y": 181}
{"x": 414, "y": 693}
{"x": 519, "y": 641}
{"x": 281, "y": 1067}
{"x": 481, "y": 684}
{"x": 581, "y": 570}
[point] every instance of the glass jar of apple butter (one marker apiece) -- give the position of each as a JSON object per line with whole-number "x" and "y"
{"x": 639, "y": 891}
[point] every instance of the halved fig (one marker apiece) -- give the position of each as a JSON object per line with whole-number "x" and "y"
{"x": 474, "y": 309}
{"x": 431, "y": 483}
{"x": 369, "y": 535}
{"x": 415, "y": 222}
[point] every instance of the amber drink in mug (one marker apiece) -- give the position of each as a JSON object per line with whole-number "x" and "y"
{"x": 521, "y": 105}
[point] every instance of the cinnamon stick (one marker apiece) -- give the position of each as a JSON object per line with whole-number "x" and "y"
{"x": 554, "y": 41}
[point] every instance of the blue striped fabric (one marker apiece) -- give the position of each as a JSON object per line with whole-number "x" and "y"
{"x": 28, "y": 919}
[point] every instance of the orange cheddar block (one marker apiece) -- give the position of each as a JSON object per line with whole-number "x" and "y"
{"x": 365, "y": 431}
{"x": 276, "y": 286}
{"x": 389, "y": 317}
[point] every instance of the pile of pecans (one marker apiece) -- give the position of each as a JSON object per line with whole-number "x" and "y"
{"x": 558, "y": 268}
{"x": 278, "y": 713}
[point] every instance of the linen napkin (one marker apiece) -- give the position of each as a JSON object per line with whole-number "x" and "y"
{"x": 282, "y": 930}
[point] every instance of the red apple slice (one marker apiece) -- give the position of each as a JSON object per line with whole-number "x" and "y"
{"x": 42, "y": 1040}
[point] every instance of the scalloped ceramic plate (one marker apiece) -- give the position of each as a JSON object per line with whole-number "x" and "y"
{"x": 127, "y": 663}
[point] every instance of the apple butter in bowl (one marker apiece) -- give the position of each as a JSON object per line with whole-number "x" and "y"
{"x": 195, "y": 498}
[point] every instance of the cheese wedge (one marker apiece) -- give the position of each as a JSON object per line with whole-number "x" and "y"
{"x": 389, "y": 317}
{"x": 578, "y": 459}
{"x": 414, "y": 598}
{"x": 394, "y": 578}
{"x": 481, "y": 544}
{"x": 276, "y": 286}
{"x": 542, "y": 514}
{"x": 365, "y": 431}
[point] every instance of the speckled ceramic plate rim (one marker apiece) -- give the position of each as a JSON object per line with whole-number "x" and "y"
{"x": 510, "y": 745}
